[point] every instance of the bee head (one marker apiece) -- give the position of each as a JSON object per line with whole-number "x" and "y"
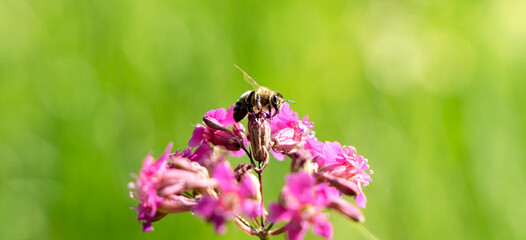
{"x": 276, "y": 101}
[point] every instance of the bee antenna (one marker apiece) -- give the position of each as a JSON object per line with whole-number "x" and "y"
{"x": 290, "y": 101}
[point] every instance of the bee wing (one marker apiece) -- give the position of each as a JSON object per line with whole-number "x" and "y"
{"x": 249, "y": 79}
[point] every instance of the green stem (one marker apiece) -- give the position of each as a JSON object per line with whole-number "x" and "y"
{"x": 365, "y": 231}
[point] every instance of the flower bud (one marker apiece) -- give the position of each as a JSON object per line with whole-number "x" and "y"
{"x": 239, "y": 130}
{"x": 214, "y": 124}
{"x": 176, "y": 204}
{"x": 345, "y": 186}
{"x": 347, "y": 209}
{"x": 259, "y": 135}
{"x": 249, "y": 178}
{"x": 240, "y": 170}
{"x": 244, "y": 175}
{"x": 184, "y": 163}
{"x": 176, "y": 181}
{"x": 158, "y": 216}
{"x": 286, "y": 139}
{"x": 225, "y": 139}
{"x": 301, "y": 161}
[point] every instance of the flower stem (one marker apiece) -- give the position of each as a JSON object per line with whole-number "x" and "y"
{"x": 365, "y": 231}
{"x": 260, "y": 178}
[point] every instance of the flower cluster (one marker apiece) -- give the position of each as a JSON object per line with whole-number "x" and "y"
{"x": 200, "y": 179}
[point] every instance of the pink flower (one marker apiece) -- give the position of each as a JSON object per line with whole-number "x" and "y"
{"x": 224, "y": 117}
{"x": 288, "y": 131}
{"x": 343, "y": 162}
{"x": 315, "y": 148}
{"x": 321, "y": 174}
{"x": 286, "y": 139}
{"x": 302, "y": 201}
{"x": 284, "y": 119}
{"x": 149, "y": 178}
{"x": 216, "y": 132}
{"x": 161, "y": 186}
{"x": 234, "y": 198}
{"x": 289, "y": 119}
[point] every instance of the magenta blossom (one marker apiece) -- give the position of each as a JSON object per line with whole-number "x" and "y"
{"x": 284, "y": 119}
{"x": 287, "y": 118}
{"x": 202, "y": 154}
{"x": 164, "y": 185}
{"x": 234, "y": 198}
{"x": 205, "y": 135}
{"x": 343, "y": 162}
{"x": 315, "y": 148}
{"x": 288, "y": 131}
{"x": 200, "y": 178}
{"x": 149, "y": 178}
{"x": 302, "y": 202}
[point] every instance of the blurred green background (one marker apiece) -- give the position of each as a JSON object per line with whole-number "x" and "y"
{"x": 431, "y": 92}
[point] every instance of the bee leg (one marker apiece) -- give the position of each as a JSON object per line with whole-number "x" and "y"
{"x": 259, "y": 102}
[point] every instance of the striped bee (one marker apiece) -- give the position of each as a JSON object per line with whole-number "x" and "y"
{"x": 261, "y": 99}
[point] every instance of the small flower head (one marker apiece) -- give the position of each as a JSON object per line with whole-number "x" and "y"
{"x": 284, "y": 119}
{"x": 286, "y": 139}
{"x": 200, "y": 178}
{"x": 302, "y": 202}
{"x": 161, "y": 186}
{"x": 146, "y": 188}
{"x": 288, "y": 132}
{"x": 217, "y": 133}
{"x": 289, "y": 119}
{"x": 343, "y": 162}
{"x": 233, "y": 198}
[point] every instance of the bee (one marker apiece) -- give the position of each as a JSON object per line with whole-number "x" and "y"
{"x": 261, "y": 99}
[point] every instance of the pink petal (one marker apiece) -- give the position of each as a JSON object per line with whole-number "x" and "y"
{"x": 225, "y": 176}
{"x": 197, "y": 136}
{"x": 177, "y": 204}
{"x": 300, "y": 186}
{"x": 278, "y": 213}
{"x": 347, "y": 209}
{"x": 229, "y": 117}
{"x": 285, "y": 118}
{"x": 218, "y": 114}
{"x": 324, "y": 194}
{"x": 206, "y": 207}
{"x": 147, "y": 161}
{"x": 239, "y": 153}
{"x": 315, "y": 146}
{"x": 286, "y": 139}
{"x": 334, "y": 147}
{"x": 221, "y": 138}
{"x": 345, "y": 186}
{"x": 202, "y": 153}
{"x": 251, "y": 208}
{"x": 147, "y": 226}
{"x": 350, "y": 151}
{"x": 333, "y": 153}
{"x": 360, "y": 200}
{"x": 246, "y": 186}
{"x": 220, "y": 226}
{"x": 296, "y": 230}
{"x": 222, "y": 116}
{"x": 322, "y": 227}
{"x": 277, "y": 155}
{"x": 166, "y": 153}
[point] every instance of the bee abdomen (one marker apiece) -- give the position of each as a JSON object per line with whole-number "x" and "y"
{"x": 240, "y": 109}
